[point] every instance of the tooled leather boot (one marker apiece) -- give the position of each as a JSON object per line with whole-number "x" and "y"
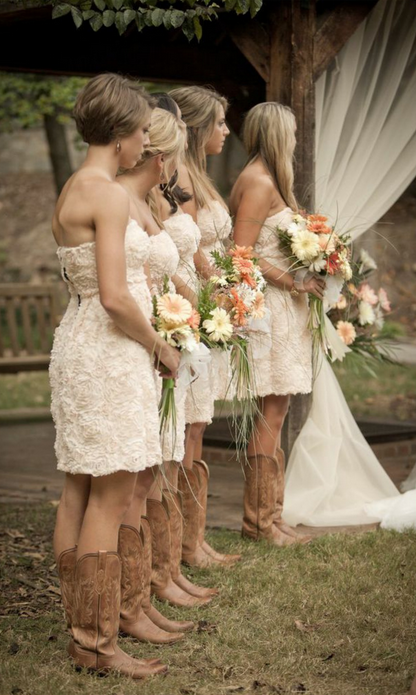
{"x": 263, "y": 480}
{"x": 172, "y": 500}
{"x": 96, "y": 619}
{"x": 155, "y": 616}
{"x": 66, "y": 563}
{"x": 133, "y": 620}
{"x": 277, "y": 520}
{"x": 412, "y": 690}
{"x": 222, "y": 558}
{"x": 162, "y": 584}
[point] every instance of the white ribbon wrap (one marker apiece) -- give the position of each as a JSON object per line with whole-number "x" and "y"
{"x": 260, "y": 338}
{"x": 333, "y": 289}
{"x": 334, "y": 342}
{"x": 192, "y": 365}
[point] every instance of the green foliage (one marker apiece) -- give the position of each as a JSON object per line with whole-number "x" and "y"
{"x": 25, "y": 99}
{"x": 172, "y": 14}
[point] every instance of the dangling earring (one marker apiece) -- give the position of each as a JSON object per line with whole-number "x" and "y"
{"x": 118, "y": 147}
{"x": 162, "y": 175}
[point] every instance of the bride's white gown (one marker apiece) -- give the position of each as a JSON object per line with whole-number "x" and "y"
{"x": 333, "y": 477}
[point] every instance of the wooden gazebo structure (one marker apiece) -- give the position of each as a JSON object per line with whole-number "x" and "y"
{"x": 276, "y": 56}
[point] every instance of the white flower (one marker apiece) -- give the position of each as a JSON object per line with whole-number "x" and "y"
{"x": 367, "y": 262}
{"x": 346, "y": 270}
{"x": 318, "y": 264}
{"x": 219, "y": 328}
{"x": 305, "y": 246}
{"x": 246, "y": 293}
{"x": 300, "y": 221}
{"x": 217, "y": 280}
{"x": 294, "y": 229}
{"x": 379, "y": 322}
{"x": 366, "y": 314}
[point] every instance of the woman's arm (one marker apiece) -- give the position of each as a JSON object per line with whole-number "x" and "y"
{"x": 111, "y": 218}
{"x": 254, "y": 207}
{"x": 182, "y": 288}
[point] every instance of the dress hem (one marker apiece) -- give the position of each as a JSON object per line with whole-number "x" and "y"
{"x": 64, "y": 469}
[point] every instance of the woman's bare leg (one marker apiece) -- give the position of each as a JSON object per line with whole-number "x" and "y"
{"x": 193, "y": 443}
{"x": 109, "y": 500}
{"x": 268, "y": 428}
{"x": 145, "y": 481}
{"x": 70, "y": 514}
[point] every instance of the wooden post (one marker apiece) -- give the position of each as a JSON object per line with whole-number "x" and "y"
{"x": 291, "y": 81}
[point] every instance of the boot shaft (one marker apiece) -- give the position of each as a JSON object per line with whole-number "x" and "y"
{"x": 260, "y": 496}
{"x": 130, "y": 548}
{"x": 66, "y": 570}
{"x": 158, "y": 519}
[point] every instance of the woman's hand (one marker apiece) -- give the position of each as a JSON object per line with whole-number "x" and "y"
{"x": 167, "y": 362}
{"x": 314, "y": 285}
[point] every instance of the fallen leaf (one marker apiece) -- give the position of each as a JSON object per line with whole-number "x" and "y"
{"x": 305, "y": 627}
{"x": 14, "y": 648}
{"x": 13, "y": 533}
{"x": 329, "y": 657}
{"x": 54, "y": 589}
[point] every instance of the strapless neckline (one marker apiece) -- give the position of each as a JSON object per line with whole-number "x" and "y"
{"x": 276, "y": 214}
{"x": 91, "y": 243}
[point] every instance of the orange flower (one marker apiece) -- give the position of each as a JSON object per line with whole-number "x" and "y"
{"x": 194, "y": 319}
{"x": 316, "y": 218}
{"x": 249, "y": 280}
{"x": 319, "y": 228}
{"x": 242, "y": 252}
{"x": 332, "y": 264}
{"x": 242, "y": 265}
{"x": 240, "y": 309}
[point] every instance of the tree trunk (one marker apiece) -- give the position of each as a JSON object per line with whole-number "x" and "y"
{"x": 58, "y": 151}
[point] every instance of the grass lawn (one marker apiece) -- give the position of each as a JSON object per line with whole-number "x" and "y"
{"x": 335, "y": 617}
{"x": 390, "y": 393}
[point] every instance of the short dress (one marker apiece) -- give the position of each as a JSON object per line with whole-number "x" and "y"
{"x": 287, "y": 368}
{"x": 163, "y": 263}
{"x": 199, "y": 401}
{"x": 104, "y": 396}
{"x": 215, "y": 225}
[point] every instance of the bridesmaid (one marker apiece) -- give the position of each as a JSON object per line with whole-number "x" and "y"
{"x": 203, "y": 111}
{"x": 104, "y": 399}
{"x": 158, "y": 164}
{"x": 262, "y": 199}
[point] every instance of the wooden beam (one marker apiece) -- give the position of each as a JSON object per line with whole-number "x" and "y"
{"x": 334, "y": 32}
{"x": 252, "y": 40}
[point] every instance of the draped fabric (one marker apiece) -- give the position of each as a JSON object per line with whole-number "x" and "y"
{"x": 365, "y": 159}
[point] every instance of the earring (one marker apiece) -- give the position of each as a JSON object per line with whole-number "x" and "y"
{"x": 118, "y": 147}
{"x": 162, "y": 175}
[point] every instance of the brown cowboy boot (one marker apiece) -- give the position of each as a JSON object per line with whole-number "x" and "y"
{"x": 147, "y": 606}
{"x": 222, "y": 558}
{"x": 192, "y": 552}
{"x": 172, "y": 500}
{"x": 162, "y": 584}
{"x": 66, "y": 570}
{"x": 96, "y": 618}
{"x": 133, "y": 620}
{"x": 412, "y": 690}
{"x": 263, "y": 479}
{"x": 277, "y": 520}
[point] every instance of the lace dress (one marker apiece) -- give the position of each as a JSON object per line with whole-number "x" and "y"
{"x": 287, "y": 369}
{"x": 104, "y": 398}
{"x": 199, "y": 403}
{"x": 163, "y": 262}
{"x": 215, "y": 225}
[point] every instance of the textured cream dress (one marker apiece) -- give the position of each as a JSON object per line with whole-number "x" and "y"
{"x": 215, "y": 226}
{"x": 199, "y": 401}
{"x": 287, "y": 368}
{"x": 104, "y": 396}
{"x": 163, "y": 262}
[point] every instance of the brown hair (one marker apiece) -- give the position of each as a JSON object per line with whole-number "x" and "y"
{"x": 200, "y": 108}
{"x": 110, "y": 107}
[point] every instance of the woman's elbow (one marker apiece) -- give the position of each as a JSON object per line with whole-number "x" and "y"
{"x": 112, "y": 302}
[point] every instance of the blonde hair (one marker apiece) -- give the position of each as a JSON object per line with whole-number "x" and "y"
{"x": 167, "y": 136}
{"x": 200, "y": 109}
{"x": 110, "y": 107}
{"x": 269, "y": 133}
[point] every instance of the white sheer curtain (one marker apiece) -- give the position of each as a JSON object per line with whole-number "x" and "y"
{"x": 365, "y": 159}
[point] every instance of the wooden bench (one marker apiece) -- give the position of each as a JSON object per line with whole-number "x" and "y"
{"x": 29, "y": 315}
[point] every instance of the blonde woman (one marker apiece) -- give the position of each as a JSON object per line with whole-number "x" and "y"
{"x": 262, "y": 199}
{"x": 203, "y": 111}
{"x": 104, "y": 398}
{"x": 159, "y": 162}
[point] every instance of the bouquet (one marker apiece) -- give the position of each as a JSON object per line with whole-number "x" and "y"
{"x": 177, "y": 322}
{"x": 315, "y": 248}
{"x": 233, "y": 313}
{"x": 359, "y": 313}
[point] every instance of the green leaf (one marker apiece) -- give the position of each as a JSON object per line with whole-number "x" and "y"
{"x": 148, "y": 18}
{"x": 117, "y": 4}
{"x": 255, "y": 6}
{"x": 100, "y": 4}
{"x": 140, "y": 23}
{"x": 230, "y": 4}
{"x": 120, "y": 23}
{"x": 157, "y": 17}
{"x": 60, "y": 10}
{"x": 109, "y": 18}
{"x": 188, "y": 29}
{"x": 76, "y": 16}
{"x": 96, "y": 22}
{"x": 167, "y": 19}
{"x": 85, "y": 6}
{"x": 89, "y": 14}
{"x": 129, "y": 16}
{"x": 198, "y": 28}
{"x": 177, "y": 19}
